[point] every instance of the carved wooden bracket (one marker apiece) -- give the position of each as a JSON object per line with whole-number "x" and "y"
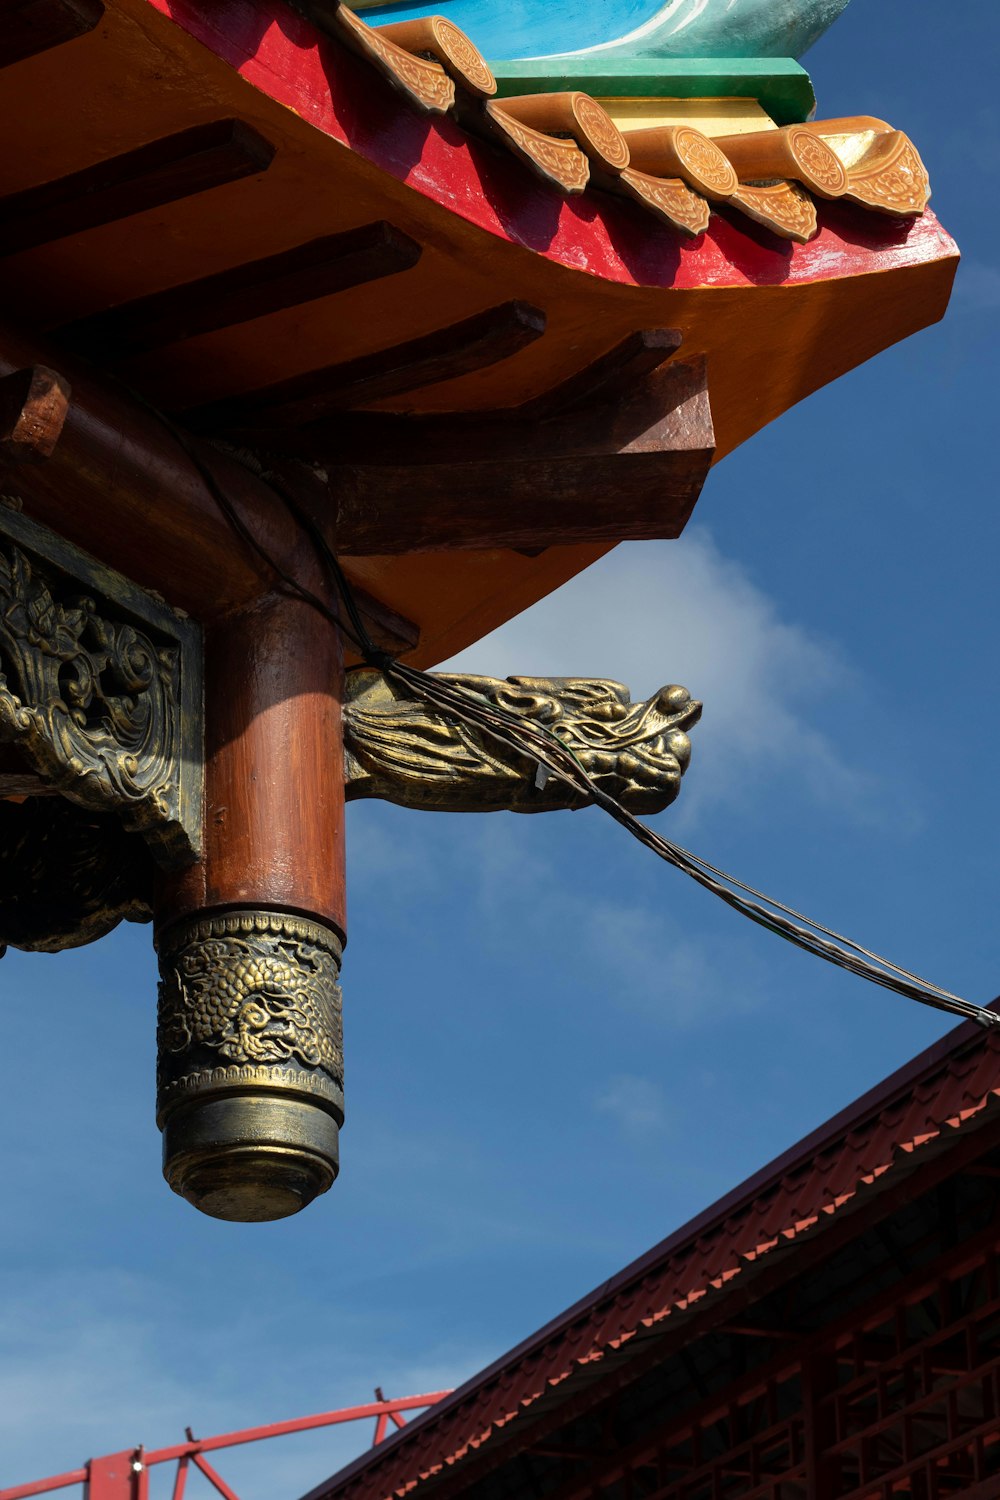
{"x": 617, "y": 467}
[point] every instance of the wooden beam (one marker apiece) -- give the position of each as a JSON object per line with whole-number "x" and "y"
{"x": 15, "y": 788}
{"x": 320, "y": 268}
{"x": 390, "y": 631}
{"x": 174, "y": 167}
{"x": 626, "y": 469}
{"x": 28, "y": 27}
{"x": 473, "y": 344}
{"x": 628, "y": 361}
{"x": 121, "y": 471}
{"x": 17, "y": 780}
{"x": 33, "y": 407}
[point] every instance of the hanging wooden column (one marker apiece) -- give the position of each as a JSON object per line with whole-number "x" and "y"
{"x": 250, "y": 1065}
{"x": 234, "y": 829}
{"x": 248, "y": 894}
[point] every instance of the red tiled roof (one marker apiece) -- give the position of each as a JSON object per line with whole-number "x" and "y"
{"x": 954, "y": 1086}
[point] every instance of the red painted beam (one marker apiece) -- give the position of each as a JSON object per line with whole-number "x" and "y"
{"x": 281, "y": 1429}
{"x": 114, "y": 1476}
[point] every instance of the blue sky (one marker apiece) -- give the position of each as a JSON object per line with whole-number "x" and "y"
{"x": 557, "y": 1051}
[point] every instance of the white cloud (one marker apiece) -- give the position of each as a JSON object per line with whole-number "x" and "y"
{"x": 681, "y": 611}
{"x": 677, "y": 980}
{"x": 95, "y": 1358}
{"x": 635, "y": 1103}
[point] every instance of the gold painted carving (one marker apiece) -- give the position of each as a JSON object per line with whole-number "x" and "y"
{"x": 99, "y": 688}
{"x": 424, "y": 81}
{"x": 559, "y": 160}
{"x": 68, "y": 875}
{"x": 891, "y": 178}
{"x": 782, "y": 207}
{"x": 670, "y": 199}
{"x": 249, "y": 999}
{"x": 401, "y": 749}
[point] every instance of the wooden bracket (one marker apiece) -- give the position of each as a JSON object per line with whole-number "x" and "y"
{"x": 616, "y": 469}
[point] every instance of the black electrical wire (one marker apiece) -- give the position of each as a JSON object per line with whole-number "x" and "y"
{"x": 541, "y": 745}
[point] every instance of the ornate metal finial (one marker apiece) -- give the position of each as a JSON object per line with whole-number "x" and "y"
{"x": 402, "y": 749}
{"x": 250, "y": 1072}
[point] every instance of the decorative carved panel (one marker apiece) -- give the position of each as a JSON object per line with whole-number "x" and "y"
{"x": 67, "y": 875}
{"x": 100, "y": 688}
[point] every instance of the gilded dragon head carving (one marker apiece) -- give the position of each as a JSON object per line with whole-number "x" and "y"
{"x": 403, "y": 750}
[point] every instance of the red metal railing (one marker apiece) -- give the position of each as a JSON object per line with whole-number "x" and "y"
{"x": 125, "y": 1476}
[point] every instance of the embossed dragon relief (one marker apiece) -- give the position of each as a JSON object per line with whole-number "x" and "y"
{"x": 249, "y": 997}
{"x": 401, "y": 749}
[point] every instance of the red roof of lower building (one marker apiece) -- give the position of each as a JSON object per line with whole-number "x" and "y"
{"x": 944, "y": 1097}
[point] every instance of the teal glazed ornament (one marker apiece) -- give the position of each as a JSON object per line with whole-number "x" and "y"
{"x": 638, "y": 28}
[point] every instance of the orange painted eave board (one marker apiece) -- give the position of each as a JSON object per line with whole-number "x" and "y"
{"x": 350, "y": 149}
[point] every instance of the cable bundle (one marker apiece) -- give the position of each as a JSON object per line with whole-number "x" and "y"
{"x": 539, "y": 744}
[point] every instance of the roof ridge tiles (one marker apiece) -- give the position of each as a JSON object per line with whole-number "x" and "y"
{"x": 567, "y": 138}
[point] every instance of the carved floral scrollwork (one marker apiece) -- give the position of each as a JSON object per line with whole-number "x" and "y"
{"x": 100, "y": 689}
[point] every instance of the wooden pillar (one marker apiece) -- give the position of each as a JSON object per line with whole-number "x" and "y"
{"x": 250, "y": 1073}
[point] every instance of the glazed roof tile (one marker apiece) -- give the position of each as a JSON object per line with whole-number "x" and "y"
{"x": 953, "y": 1087}
{"x": 567, "y": 138}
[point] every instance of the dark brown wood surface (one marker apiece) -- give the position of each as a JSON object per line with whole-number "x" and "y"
{"x": 626, "y": 468}
{"x": 123, "y": 482}
{"x": 274, "y": 773}
{"x": 475, "y": 343}
{"x": 177, "y": 166}
{"x": 316, "y": 269}
{"x": 624, "y": 364}
{"x": 28, "y": 27}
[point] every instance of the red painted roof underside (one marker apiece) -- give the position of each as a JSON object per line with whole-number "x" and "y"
{"x": 284, "y": 56}
{"x": 953, "y": 1087}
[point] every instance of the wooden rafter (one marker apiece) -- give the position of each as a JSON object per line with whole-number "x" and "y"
{"x": 461, "y": 348}
{"x": 319, "y": 268}
{"x": 28, "y": 27}
{"x": 164, "y": 171}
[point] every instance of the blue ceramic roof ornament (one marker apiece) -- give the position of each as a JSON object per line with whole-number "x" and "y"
{"x": 629, "y": 28}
